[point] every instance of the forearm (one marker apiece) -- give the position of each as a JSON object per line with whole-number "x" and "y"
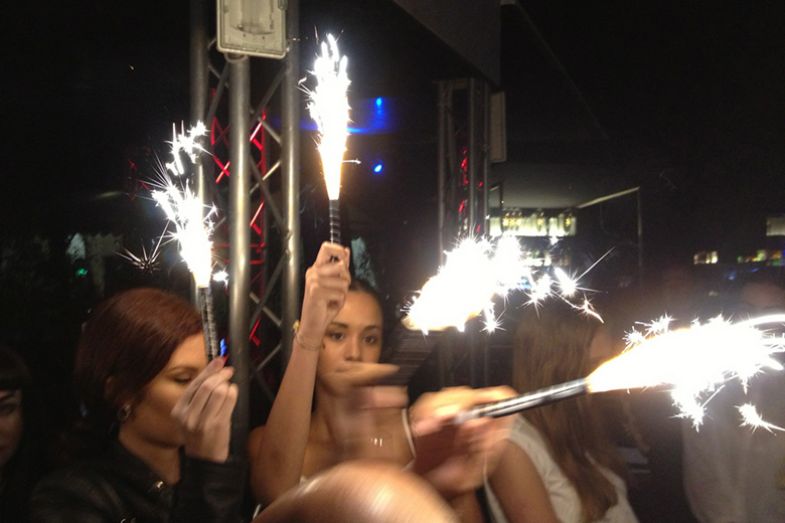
{"x": 279, "y": 458}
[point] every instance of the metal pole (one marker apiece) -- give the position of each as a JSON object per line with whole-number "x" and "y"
{"x": 486, "y": 153}
{"x": 472, "y": 155}
{"x": 199, "y": 78}
{"x": 639, "y": 202}
{"x": 240, "y": 239}
{"x": 290, "y": 162}
{"x": 485, "y": 218}
{"x": 441, "y": 125}
{"x": 442, "y": 167}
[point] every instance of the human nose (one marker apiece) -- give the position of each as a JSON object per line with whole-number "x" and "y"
{"x": 352, "y": 349}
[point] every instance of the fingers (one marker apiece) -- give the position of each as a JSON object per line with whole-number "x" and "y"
{"x": 357, "y": 374}
{"x": 212, "y": 368}
{"x": 329, "y": 251}
{"x": 208, "y": 398}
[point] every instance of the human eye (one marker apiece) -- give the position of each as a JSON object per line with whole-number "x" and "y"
{"x": 182, "y": 379}
{"x": 372, "y": 339}
{"x": 336, "y": 335}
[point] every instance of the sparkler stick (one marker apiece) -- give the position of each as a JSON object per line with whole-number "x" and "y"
{"x": 192, "y": 230}
{"x": 329, "y": 108}
{"x": 694, "y": 362}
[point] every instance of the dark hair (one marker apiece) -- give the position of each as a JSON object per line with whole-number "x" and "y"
{"x": 128, "y": 340}
{"x": 25, "y": 467}
{"x": 552, "y": 346}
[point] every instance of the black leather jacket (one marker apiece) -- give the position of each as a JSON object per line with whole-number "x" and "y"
{"x": 119, "y": 487}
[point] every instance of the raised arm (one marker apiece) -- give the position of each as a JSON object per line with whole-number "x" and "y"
{"x": 277, "y": 449}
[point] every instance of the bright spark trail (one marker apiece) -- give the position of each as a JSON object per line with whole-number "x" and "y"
{"x": 329, "y": 107}
{"x": 692, "y": 362}
{"x": 474, "y": 273}
{"x": 193, "y": 227}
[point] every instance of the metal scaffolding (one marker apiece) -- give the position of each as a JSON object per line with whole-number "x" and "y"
{"x": 463, "y": 165}
{"x": 263, "y": 292}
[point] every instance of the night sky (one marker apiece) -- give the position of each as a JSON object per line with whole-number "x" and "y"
{"x": 685, "y": 99}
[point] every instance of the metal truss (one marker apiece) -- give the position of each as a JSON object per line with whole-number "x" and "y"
{"x": 463, "y": 169}
{"x": 251, "y": 175}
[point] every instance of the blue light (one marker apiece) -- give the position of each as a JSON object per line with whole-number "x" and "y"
{"x": 379, "y": 102}
{"x": 378, "y": 168}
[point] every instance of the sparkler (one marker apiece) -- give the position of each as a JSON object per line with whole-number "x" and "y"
{"x": 694, "y": 362}
{"x": 329, "y": 107}
{"x": 192, "y": 227}
{"x": 146, "y": 262}
{"x": 450, "y": 298}
{"x": 751, "y": 418}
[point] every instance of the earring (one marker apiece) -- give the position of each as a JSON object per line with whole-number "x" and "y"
{"x": 124, "y": 413}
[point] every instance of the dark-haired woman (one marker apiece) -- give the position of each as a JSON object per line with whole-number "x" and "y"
{"x": 159, "y": 417}
{"x": 20, "y": 445}
{"x": 336, "y": 353}
{"x": 558, "y": 465}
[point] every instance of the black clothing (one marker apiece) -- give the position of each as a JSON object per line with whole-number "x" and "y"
{"x": 119, "y": 487}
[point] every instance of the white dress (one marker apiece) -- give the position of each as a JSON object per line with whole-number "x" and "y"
{"x": 564, "y": 498}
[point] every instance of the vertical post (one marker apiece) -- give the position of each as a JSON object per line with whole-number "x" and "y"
{"x": 441, "y": 125}
{"x": 472, "y": 92}
{"x": 486, "y": 155}
{"x": 290, "y": 163}
{"x": 240, "y": 234}
{"x": 198, "y": 73}
{"x": 485, "y": 218}
{"x": 639, "y": 202}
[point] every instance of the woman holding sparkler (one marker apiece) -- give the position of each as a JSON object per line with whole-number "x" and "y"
{"x": 558, "y": 466}
{"x": 161, "y": 419}
{"x": 335, "y": 357}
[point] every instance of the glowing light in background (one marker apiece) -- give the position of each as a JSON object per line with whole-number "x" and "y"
{"x": 378, "y": 168}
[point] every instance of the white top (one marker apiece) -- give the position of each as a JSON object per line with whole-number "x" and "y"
{"x": 564, "y": 498}
{"x": 733, "y": 473}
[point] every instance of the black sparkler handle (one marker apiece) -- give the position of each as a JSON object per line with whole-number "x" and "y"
{"x": 335, "y": 222}
{"x": 526, "y": 401}
{"x": 205, "y": 299}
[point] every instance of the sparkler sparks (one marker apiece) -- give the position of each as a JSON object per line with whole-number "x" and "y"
{"x": 186, "y": 142}
{"x": 192, "y": 228}
{"x": 694, "y": 361}
{"x": 751, "y": 418}
{"x": 329, "y": 107}
{"x": 147, "y": 263}
{"x": 451, "y": 298}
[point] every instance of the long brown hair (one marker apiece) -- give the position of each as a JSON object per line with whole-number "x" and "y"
{"x": 552, "y": 346}
{"x": 127, "y": 342}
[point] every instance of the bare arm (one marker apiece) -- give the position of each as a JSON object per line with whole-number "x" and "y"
{"x": 277, "y": 451}
{"x": 520, "y": 490}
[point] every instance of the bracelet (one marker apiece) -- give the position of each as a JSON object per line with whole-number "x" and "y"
{"x": 304, "y": 346}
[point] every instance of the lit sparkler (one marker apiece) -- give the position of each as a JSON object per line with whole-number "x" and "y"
{"x": 693, "y": 362}
{"x": 450, "y": 298}
{"x": 751, "y": 418}
{"x": 192, "y": 228}
{"x": 146, "y": 262}
{"x": 186, "y": 142}
{"x": 329, "y": 107}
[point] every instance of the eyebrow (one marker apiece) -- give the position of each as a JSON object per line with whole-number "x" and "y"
{"x": 180, "y": 368}
{"x": 346, "y": 326}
